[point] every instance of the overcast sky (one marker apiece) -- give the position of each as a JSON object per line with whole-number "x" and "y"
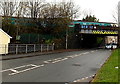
{"x": 102, "y": 9}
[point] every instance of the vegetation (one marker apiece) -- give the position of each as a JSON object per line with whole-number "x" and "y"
{"x": 47, "y": 18}
{"x": 90, "y": 18}
{"x": 108, "y": 72}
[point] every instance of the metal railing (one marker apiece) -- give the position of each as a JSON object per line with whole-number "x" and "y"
{"x": 26, "y": 48}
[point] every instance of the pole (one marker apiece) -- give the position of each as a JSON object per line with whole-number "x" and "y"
{"x": 66, "y": 39}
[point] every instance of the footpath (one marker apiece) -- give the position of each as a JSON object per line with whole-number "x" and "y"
{"x": 33, "y": 54}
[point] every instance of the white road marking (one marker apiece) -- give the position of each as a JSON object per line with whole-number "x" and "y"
{"x": 26, "y": 70}
{"x": 70, "y": 56}
{"x": 64, "y": 59}
{"x": 78, "y": 80}
{"x": 56, "y": 61}
{"x": 36, "y": 66}
{"x": 92, "y": 51}
{"x": 49, "y": 60}
{"x": 79, "y": 54}
{"x": 5, "y": 70}
{"x": 85, "y": 53}
{"x": 46, "y": 62}
{"x": 60, "y": 60}
{"x": 57, "y": 58}
{"x": 13, "y": 70}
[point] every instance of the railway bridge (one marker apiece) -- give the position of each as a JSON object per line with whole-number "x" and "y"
{"x": 94, "y": 34}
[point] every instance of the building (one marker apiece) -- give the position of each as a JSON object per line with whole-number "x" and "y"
{"x": 111, "y": 39}
{"x": 4, "y": 41}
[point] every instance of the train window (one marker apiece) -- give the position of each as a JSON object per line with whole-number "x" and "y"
{"x": 82, "y": 26}
{"x": 91, "y": 27}
{"x": 86, "y": 26}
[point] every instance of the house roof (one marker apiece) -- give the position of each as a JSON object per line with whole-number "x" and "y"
{"x": 5, "y": 33}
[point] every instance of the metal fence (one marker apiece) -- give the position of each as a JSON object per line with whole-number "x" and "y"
{"x": 27, "y": 48}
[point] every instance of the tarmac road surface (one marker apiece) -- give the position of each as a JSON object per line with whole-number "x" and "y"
{"x": 58, "y": 67}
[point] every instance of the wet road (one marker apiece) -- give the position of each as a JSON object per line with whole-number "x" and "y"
{"x": 59, "y": 67}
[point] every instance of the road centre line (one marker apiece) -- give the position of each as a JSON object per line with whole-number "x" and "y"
{"x": 49, "y": 60}
{"x": 57, "y": 59}
{"x": 46, "y": 62}
{"x": 70, "y": 56}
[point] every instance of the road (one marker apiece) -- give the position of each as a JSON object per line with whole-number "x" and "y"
{"x": 59, "y": 67}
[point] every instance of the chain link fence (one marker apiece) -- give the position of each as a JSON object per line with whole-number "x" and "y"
{"x": 26, "y": 48}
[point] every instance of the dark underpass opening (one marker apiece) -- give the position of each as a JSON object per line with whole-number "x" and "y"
{"x": 87, "y": 41}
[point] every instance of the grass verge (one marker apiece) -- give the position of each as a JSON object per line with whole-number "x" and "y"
{"x": 108, "y": 72}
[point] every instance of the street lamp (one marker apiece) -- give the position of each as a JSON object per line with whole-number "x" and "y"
{"x": 66, "y": 39}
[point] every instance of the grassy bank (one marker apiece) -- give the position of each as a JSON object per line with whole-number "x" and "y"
{"x": 108, "y": 72}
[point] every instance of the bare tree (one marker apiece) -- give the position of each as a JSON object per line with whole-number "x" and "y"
{"x": 32, "y": 8}
{"x": 8, "y": 8}
{"x": 22, "y": 9}
{"x": 115, "y": 14}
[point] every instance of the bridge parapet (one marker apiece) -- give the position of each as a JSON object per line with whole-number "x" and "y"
{"x": 96, "y": 29}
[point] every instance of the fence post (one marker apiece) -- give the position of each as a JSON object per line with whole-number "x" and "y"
{"x": 34, "y": 48}
{"x": 26, "y": 48}
{"x": 16, "y": 48}
{"x": 53, "y": 46}
{"x": 41, "y": 47}
{"x": 47, "y": 47}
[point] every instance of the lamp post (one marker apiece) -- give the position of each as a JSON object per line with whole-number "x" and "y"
{"x": 66, "y": 39}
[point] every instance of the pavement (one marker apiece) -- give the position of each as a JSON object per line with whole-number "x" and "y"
{"x": 33, "y": 54}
